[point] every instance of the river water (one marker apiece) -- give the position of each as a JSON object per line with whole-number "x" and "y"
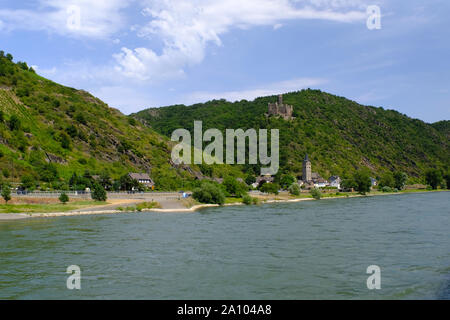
{"x": 307, "y": 250}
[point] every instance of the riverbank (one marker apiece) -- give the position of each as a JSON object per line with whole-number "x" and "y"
{"x": 120, "y": 206}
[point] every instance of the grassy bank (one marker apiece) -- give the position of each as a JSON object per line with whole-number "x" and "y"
{"x": 48, "y": 207}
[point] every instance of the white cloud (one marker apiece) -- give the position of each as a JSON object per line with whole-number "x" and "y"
{"x": 187, "y": 26}
{"x": 97, "y": 19}
{"x": 127, "y": 99}
{"x": 252, "y": 93}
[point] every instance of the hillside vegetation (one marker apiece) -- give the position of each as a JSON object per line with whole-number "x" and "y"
{"x": 339, "y": 135}
{"x": 49, "y": 131}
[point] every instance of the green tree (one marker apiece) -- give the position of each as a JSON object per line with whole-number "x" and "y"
{"x": 48, "y": 172}
{"x": 14, "y": 123}
{"x": 64, "y": 198}
{"x": 6, "y": 173}
{"x": 234, "y": 187}
{"x": 127, "y": 184}
{"x": 270, "y": 188}
{"x": 433, "y": 177}
{"x": 316, "y": 193}
{"x": 98, "y": 193}
{"x": 209, "y": 193}
{"x": 247, "y": 200}
{"x": 105, "y": 181}
{"x": 348, "y": 183}
{"x": 6, "y": 192}
{"x": 294, "y": 189}
{"x": 286, "y": 181}
{"x": 387, "y": 180}
{"x": 9, "y": 57}
{"x": 400, "y": 179}
{"x": 447, "y": 179}
{"x": 362, "y": 181}
{"x": 65, "y": 140}
{"x": 2, "y": 116}
{"x": 250, "y": 179}
{"x": 28, "y": 182}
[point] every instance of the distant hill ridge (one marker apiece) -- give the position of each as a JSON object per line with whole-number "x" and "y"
{"x": 339, "y": 135}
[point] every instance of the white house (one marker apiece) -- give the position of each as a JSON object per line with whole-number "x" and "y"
{"x": 335, "y": 181}
{"x": 320, "y": 183}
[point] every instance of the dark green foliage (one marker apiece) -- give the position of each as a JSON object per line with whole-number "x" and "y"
{"x": 28, "y": 182}
{"x": 270, "y": 188}
{"x": 286, "y": 181}
{"x": 72, "y": 131}
{"x": 447, "y": 179}
{"x": 132, "y": 121}
{"x": 294, "y": 189}
{"x": 316, "y": 193}
{"x": 433, "y": 177}
{"x": 14, "y": 123}
{"x": 400, "y": 179}
{"x": 105, "y": 181}
{"x": 348, "y": 184}
{"x": 65, "y": 140}
{"x": 6, "y": 192}
{"x": 6, "y": 172}
{"x": 234, "y": 187}
{"x": 98, "y": 193}
{"x": 250, "y": 179}
{"x": 340, "y": 135}
{"x": 64, "y": 124}
{"x": 64, "y": 198}
{"x": 209, "y": 193}
{"x": 362, "y": 181}
{"x": 48, "y": 172}
{"x": 387, "y": 180}
{"x": 247, "y": 200}
{"x": 80, "y": 118}
{"x": 127, "y": 184}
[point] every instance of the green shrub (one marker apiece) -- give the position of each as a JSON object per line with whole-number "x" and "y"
{"x": 6, "y": 192}
{"x": 98, "y": 193}
{"x": 247, "y": 200}
{"x": 270, "y": 188}
{"x": 64, "y": 198}
{"x": 316, "y": 194}
{"x": 209, "y": 193}
{"x": 294, "y": 189}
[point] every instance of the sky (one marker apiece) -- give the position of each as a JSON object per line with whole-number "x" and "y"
{"x": 137, "y": 54}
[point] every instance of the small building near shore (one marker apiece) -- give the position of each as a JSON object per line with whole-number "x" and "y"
{"x": 142, "y": 178}
{"x": 335, "y": 181}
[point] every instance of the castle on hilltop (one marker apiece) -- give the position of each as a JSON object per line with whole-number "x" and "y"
{"x": 280, "y": 109}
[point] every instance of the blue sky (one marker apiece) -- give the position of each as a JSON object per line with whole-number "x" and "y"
{"x": 135, "y": 54}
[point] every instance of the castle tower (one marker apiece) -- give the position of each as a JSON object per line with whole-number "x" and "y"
{"x": 307, "y": 175}
{"x": 280, "y": 109}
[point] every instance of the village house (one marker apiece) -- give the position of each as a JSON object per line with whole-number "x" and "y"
{"x": 260, "y": 179}
{"x": 320, "y": 183}
{"x": 142, "y": 178}
{"x": 335, "y": 181}
{"x": 373, "y": 182}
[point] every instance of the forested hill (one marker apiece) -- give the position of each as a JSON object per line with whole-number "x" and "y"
{"x": 338, "y": 134}
{"x": 48, "y": 132}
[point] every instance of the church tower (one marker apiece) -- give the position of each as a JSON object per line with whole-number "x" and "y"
{"x": 307, "y": 176}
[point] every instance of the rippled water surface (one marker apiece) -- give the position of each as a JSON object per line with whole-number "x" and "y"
{"x": 307, "y": 250}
